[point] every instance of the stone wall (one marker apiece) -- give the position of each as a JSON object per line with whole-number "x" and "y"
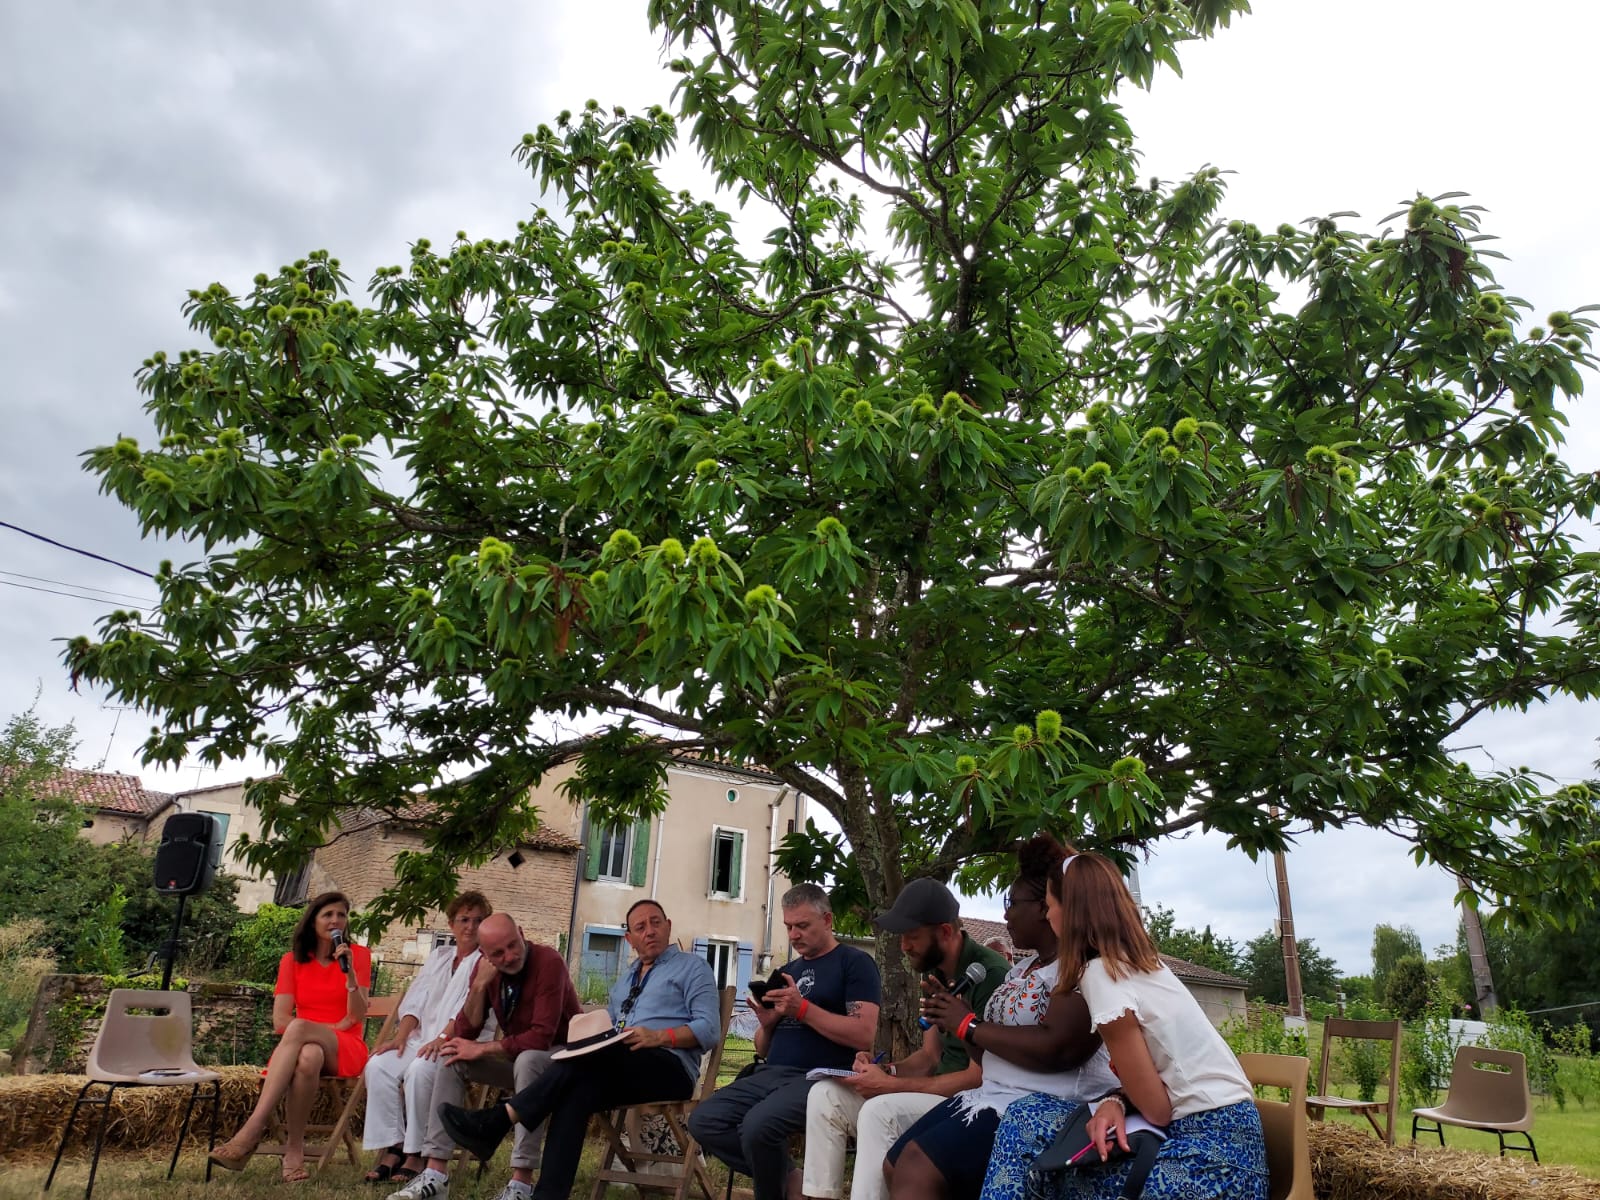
{"x": 537, "y": 893}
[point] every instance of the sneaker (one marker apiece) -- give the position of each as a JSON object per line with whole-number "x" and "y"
{"x": 515, "y": 1190}
{"x": 478, "y": 1131}
{"x": 430, "y": 1185}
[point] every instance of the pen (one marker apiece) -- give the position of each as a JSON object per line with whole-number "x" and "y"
{"x": 880, "y": 1058}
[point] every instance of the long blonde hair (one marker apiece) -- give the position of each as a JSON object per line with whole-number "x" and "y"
{"x": 1098, "y": 919}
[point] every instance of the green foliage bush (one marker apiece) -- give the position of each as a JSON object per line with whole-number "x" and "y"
{"x": 25, "y": 958}
{"x": 1262, "y": 1031}
{"x": 261, "y": 940}
{"x": 99, "y": 949}
{"x": 1510, "y": 1029}
{"x": 1429, "y": 1049}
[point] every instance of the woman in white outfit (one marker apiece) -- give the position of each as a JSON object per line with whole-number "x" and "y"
{"x": 401, "y": 1070}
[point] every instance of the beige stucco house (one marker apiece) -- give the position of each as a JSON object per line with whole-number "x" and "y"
{"x": 117, "y": 808}
{"x": 708, "y": 859}
{"x": 225, "y": 802}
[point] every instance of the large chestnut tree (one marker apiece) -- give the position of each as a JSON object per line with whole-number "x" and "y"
{"x": 981, "y": 486}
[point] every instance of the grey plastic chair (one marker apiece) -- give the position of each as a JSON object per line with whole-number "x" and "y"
{"x": 145, "y": 1040}
{"x": 1488, "y": 1091}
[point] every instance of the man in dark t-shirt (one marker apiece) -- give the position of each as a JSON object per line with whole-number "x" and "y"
{"x": 825, "y": 1013}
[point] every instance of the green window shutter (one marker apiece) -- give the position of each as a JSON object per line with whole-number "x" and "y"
{"x": 640, "y": 867}
{"x": 591, "y": 862}
{"x": 738, "y": 866}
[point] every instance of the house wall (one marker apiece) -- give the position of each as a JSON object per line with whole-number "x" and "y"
{"x": 227, "y": 803}
{"x": 677, "y": 871}
{"x": 103, "y": 827}
{"x": 1221, "y": 1003}
{"x": 538, "y": 894}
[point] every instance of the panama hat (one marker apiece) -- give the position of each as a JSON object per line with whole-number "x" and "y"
{"x": 587, "y": 1033}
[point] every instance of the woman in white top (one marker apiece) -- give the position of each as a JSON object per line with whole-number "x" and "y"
{"x": 1176, "y": 1070}
{"x": 1030, "y": 1040}
{"x": 400, "y": 1071}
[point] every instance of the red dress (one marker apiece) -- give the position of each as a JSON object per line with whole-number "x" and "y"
{"x": 319, "y": 995}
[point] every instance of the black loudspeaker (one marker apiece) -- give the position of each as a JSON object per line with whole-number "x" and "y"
{"x": 189, "y": 853}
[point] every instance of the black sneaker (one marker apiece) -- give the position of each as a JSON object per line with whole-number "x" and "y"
{"x": 479, "y": 1131}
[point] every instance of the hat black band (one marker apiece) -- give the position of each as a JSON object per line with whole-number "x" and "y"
{"x": 591, "y": 1041}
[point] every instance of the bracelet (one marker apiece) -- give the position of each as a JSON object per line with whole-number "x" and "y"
{"x": 967, "y": 1022}
{"x": 672, "y": 1038}
{"x": 800, "y": 1013}
{"x": 1115, "y": 1098}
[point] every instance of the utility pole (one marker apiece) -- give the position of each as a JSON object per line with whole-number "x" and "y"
{"x": 1477, "y": 955}
{"x": 1291, "y": 955}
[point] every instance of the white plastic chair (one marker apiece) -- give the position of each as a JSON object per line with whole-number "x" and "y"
{"x": 145, "y": 1040}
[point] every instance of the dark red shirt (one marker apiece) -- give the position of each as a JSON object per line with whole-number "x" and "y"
{"x": 541, "y": 1001}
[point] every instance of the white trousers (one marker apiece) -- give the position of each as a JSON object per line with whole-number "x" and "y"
{"x": 399, "y": 1100}
{"x": 833, "y": 1113}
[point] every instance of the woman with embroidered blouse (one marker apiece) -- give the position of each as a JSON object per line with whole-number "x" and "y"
{"x": 1031, "y": 1039}
{"x": 1175, "y": 1070}
{"x": 319, "y": 1007}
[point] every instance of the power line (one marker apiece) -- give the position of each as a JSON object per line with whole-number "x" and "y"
{"x": 82, "y": 587}
{"x": 74, "y": 549}
{"x": 70, "y": 595}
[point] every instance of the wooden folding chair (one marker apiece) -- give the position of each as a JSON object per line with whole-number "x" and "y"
{"x": 688, "y": 1165}
{"x": 1378, "y": 1031}
{"x": 346, "y": 1094}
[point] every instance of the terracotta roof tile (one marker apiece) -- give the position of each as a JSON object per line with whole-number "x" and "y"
{"x": 106, "y": 792}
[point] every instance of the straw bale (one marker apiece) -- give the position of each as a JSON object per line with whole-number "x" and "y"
{"x": 35, "y": 1108}
{"x": 1348, "y": 1163}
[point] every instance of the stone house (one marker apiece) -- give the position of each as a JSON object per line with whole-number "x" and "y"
{"x": 118, "y": 807}
{"x": 533, "y": 881}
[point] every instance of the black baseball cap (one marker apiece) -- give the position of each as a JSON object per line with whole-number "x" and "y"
{"x": 920, "y": 902}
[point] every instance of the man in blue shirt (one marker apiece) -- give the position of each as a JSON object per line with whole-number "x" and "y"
{"x": 826, "y": 1013}
{"x": 663, "y": 1016}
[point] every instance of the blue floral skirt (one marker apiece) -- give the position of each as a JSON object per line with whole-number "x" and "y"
{"x": 1214, "y": 1155}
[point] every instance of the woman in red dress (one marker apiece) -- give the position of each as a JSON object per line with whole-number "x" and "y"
{"x": 319, "y": 1009}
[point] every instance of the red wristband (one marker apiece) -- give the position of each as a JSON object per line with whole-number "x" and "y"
{"x": 800, "y": 1013}
{"x": 966, "y": 1024}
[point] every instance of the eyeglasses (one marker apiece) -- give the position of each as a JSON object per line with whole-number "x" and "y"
{"x": 1010, "y": 900}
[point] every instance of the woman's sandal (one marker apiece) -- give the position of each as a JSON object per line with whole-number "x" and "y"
{"x": 404, "y": 1174}
{"x": 231, "y": 1157}
{"x": 387, "y": 1172}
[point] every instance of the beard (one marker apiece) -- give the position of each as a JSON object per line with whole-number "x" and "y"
{"x": 930, "y": 959}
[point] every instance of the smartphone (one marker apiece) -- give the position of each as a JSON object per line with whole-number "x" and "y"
{"x": 759, "y": 989}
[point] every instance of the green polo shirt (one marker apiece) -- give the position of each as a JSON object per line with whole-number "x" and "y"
{"x": 995, "y": 967}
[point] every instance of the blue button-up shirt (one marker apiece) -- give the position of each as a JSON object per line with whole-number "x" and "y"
{"x": 679, "y": 990}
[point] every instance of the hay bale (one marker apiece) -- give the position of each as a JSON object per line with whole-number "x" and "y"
{"x": 1348, "y": 1163}
{"x": 37, "y": 1107}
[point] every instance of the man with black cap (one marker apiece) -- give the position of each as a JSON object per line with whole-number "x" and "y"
{"x": 662, "y": 1016}
{"x": 881, "y": 1101}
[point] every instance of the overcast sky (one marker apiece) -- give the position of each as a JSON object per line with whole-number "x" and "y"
{"x": 146, "y": 149}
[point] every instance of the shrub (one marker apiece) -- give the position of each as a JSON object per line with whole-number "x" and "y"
{"x": 1429, "y": 1048}
{"x": 25, "y": 959}
{"x": 261, "y": 940}
{"x": 99, "y": 949}
{"x": 1510, "y": 1029}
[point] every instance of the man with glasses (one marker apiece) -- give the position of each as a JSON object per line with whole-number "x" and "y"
{"x": 881, "y": 1101}
{"x": 664, "y": 1015}
{"x": 527, "y": 988}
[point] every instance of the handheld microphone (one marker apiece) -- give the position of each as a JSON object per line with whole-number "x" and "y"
{"x": 337, "y": 937}
{"x": 974, "y": 975}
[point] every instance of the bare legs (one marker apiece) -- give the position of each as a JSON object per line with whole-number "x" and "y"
{"x": 914, "y": 1177}
{"x": 308, "y": 1049}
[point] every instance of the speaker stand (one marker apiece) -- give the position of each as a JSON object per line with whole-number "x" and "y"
{"x": 171, "y": 948}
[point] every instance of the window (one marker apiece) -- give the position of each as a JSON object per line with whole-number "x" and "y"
{"x": 724, "y": 960}
{"x": 442, "y": 939}
{"x": 618, "y": 853}
{"x": 222, "y": 825}
{"x": 727, "y": 863}
{"x": 614, "y": 853}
